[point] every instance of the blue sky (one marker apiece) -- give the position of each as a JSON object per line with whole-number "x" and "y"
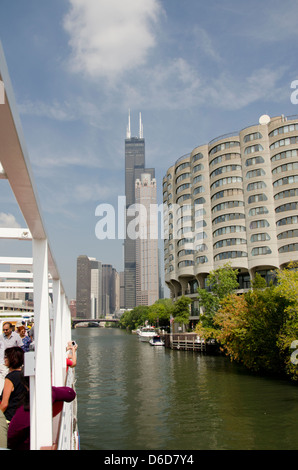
{"x": 195, "y": 70}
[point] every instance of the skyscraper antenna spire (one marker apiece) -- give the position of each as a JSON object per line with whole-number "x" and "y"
{"x": 140, "y": 126}
{"x": 128, "y": 131}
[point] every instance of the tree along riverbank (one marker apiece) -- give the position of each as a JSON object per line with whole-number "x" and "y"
{"x": 258, "y": 328}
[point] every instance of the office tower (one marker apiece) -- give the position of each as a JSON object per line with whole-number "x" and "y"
{"x": 110, "y": 290}
{"x": 233, "y": 200}
{"x": 134, "y": 167}
{"x": 122, "y": 290}
{"x": 147, "y": 291}
{"x": 89, "y": 288}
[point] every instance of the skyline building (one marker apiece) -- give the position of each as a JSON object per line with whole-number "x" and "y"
{"x": 89, "y": 288}
{"x": 98, "y": 289}
{"x": 147, "y": 279}
{"x": 134, "y": 167}
{"x": 233, "y": 200}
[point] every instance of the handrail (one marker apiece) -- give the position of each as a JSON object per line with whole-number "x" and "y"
{"x": 52, "y": 318}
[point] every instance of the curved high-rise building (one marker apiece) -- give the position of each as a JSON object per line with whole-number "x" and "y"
{"x": 233, "y": 200}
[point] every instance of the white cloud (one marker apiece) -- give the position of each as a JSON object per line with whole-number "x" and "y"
{"x": 108, "y": 37}
{"x": 204, "y": 42}
{"x": 179, "y": 85}
{"x": 8, "y": 221}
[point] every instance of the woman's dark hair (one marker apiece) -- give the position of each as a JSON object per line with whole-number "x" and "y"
{"x": 15, "y": 357}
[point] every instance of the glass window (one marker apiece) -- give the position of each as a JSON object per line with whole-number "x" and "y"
{"x": 226, "y": 193}
{"x": 261, "y": 250}
{"x": 286, "y": 180}
{"x": 200, "y": 200}
{"x": 230, "y": 254}
{"x": 228, "y": 180}
{"x": 224, "y": 146}
{"x": 287, "y": 193}
{"x": 229, "y": 229}
{"x": 182, "y": 166}
{"x": 184, "y": 241}
{"x": 199, "y": 189}
{"x": 199, "y": 167}
{"x": 288, "y": 234}
{"x": 290, "y": 206}
{"x": 285, "y": 167}
{"x": 283, "y": 142}
{"x": 182, "y": 187}
{"x": 286, "y": 154}
{"x": 258, "y": 211}
{"x": 254, "y": 161}
{"x": 186, "y": 262}
{"x": 201, "y": 247}
{"x": 185, "y": 252}
{"x": 287, "y": 248}
{"x": 259, "y": 237}
{"x": 256, "y": 185}
{"x": 227, "y": 205}
{"x": 258, "y": 224}
{"x": 229, "y": 242}
{"x": 223, "y": 158}
{"x": 182, "y": 177}
{"x": 257, "y": 198}
{"x": 198, "y": 179}
{"x": 196, "y": 157}
{"x": 284, "y": 130}
{"x": 253, "y": 136}
{"x": 287, "y": 220}
{"x": 255, "y": 173}
{"x": 253, "y": 149}
{"x": 183, "y": 198}
{"x": 227, "y": 217}
{"x": 225, "y": 169}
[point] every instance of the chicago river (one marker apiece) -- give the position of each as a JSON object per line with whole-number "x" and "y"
{"x": 132, "y": 396}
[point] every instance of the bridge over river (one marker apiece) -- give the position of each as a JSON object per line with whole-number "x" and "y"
{"x": 75, "y": 321}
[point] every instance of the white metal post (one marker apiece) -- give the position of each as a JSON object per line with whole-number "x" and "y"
{"x": 42, "y": 434}
{"x": 65, "y": 337}
{"x": 57, "y": 336}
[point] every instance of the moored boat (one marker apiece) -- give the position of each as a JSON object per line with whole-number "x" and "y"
{"x": 156, "y": 341}
{"x": 146, "y": 333}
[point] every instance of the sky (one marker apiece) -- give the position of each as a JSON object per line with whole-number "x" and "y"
{"x": 194, "y": 69}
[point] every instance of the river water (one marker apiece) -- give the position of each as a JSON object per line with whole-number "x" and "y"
{"x": 132, "y": 396}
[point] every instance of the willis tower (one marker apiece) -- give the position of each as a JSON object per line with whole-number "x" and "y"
{"x": 134, "y": 167}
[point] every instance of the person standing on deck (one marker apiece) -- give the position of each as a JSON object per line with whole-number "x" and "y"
{"x": 11, "y": 338}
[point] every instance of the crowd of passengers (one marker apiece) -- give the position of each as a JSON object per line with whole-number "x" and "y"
{"x": 15, "y": 386}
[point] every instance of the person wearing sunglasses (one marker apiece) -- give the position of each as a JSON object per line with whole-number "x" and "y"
{"x": 11, "y": 338}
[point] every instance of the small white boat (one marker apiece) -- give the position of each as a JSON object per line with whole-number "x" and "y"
{"x": 156, "y": 341}
{"x": 146, "y": 333}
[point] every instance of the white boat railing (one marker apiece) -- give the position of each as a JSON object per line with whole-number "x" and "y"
{"x": 46, "y": 366}
{"x": 68, "y": 438}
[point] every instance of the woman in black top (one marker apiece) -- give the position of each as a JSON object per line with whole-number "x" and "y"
{"x": 13, "y": 387}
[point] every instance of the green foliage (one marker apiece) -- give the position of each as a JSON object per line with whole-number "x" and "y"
{"x": 258, "y": 282}
{"x": 260, "y": 328}
{"x": 132, "y": 319}
{"x": 158, "y": 313}
{"x": 181, "y": 310}
{"x": 220, "y": 283}
{"x": 249, "y": 327}
{"x": 288, "y": 336}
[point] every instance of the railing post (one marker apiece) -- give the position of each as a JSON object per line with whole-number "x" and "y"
{"x": 41, "y": 417}
{"x": 57, "y": 335}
